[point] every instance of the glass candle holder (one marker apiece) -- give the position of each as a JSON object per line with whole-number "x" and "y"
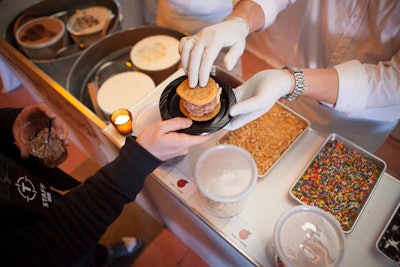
{"x": 122, "y": 121}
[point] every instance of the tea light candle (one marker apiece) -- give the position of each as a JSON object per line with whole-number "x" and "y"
{"x": 122, "y": 121}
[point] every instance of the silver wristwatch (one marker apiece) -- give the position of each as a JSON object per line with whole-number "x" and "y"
{"x": 299, "y": 83}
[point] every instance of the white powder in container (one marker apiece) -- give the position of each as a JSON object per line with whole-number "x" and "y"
{"x": 225, "y": 176}
{"x": 229, "y": 183}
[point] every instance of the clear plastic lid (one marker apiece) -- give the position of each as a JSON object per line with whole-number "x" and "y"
{"x": 309, "y": 236}
{"x": 225, "y": 173}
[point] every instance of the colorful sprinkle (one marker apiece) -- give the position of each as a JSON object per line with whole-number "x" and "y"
{"x": 338, "y": 180}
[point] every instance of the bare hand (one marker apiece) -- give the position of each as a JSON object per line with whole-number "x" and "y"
{"x": 162, "y": 140}
{"x": 30, "y": 113}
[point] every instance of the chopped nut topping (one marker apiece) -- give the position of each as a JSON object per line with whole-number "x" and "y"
{"x": 267, "y": 137}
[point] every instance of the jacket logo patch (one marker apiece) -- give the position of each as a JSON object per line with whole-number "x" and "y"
{"x": 26, "y": 188}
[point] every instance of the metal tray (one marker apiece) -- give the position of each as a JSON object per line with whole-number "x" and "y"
{"x": 339, "y": 179}
{"x": 114, "y": 47}
{"x": 393, "y": 233}
{"x": 267, "y": 145}
{"x": 62, "y": 9}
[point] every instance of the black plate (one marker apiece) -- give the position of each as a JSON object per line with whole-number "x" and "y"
{"x": 169, "y": 108}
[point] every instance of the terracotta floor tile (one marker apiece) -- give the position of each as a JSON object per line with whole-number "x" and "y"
{"x": 390, "y": 153}
{"x": 16, "y": 98}
{"x": 165, "y": 250}
{"x": 191, "y": 259}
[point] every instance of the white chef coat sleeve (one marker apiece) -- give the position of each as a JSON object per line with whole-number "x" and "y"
{"x": 370, "y": 91}
{"x": 271, "y": 9}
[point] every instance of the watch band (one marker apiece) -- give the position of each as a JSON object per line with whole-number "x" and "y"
{"x": 299, "y": 83}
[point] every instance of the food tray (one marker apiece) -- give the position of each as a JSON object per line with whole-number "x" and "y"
{"x": 268, "y": 137}
{"x": 62, "y": 10}
{"x": 58, "y": 67}
{"x": 115, "y": 47}
{"x": 388, "y": 241}
{"x": 339, "y": 179}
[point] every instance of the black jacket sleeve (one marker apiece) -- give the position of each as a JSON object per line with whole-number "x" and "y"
{"x": 72, "y": 227}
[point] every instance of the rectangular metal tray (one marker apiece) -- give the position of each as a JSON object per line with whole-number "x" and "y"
{"x": 267, "y": 138}
{"x": 391, "y": 232}
{"x": 339, "y": 179}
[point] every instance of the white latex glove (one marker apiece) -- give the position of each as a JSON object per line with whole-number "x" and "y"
{"x": 198, "y": 52}
{"x": 257, "y": 95}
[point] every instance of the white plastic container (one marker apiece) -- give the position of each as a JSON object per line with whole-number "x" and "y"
{"x": 225, "y": 176}
{"x": 306, "y": 236}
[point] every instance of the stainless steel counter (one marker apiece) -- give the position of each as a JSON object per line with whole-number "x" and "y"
{"x": 216, "y": 239}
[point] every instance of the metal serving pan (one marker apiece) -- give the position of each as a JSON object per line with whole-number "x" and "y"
{"x": 114, "y": 47}
{"x": 339, "y": 179}
{"x": 269, "y": 137}
{"x": 58, "y": 67}
{"x": 386, "y": 243}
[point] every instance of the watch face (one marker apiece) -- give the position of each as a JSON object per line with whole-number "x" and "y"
{"x": 169, "y": 108}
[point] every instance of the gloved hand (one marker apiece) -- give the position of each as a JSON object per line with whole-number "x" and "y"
{"x": 257, "y": 95}
{"x": 198, "y": 52}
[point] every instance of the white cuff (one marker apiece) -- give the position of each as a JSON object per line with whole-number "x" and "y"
{"x": 271, "y": 10}
{"x": 352, "y": 94}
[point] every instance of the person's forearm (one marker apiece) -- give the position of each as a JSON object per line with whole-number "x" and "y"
{"x": 250, "y": 12}
{"x": 321, "y": 84}
{"x": 74, "y": 225}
